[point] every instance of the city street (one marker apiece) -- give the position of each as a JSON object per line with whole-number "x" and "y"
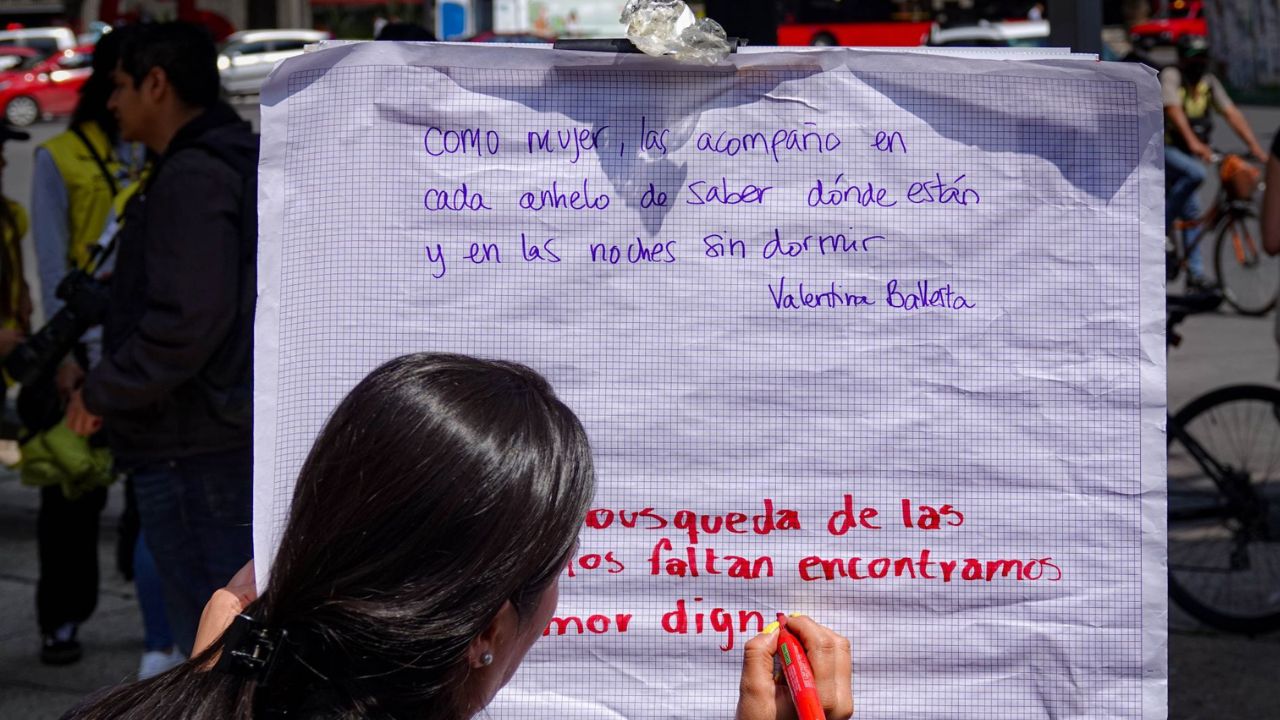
{"x": 1212, "y": 675}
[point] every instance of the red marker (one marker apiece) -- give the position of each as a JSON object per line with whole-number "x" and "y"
{"x": 795, "y": 667}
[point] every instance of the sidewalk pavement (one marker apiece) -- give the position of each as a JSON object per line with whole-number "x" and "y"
{"x": 1212, "y": 675}
{"x": 112, "y": 638}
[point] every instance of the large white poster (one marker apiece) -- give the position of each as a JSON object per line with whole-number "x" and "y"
{"x": 876, "y": 337}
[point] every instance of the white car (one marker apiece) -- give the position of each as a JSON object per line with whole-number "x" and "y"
{"x": 246, "y": 57}
{"x": 46, "y": 40}
{"x": 1022, "y": 33}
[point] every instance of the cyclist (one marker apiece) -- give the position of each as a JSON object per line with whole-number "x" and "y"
{"x": 1191, "y": 93}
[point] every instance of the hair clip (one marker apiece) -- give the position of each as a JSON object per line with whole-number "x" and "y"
{"x": 251, "y": 649}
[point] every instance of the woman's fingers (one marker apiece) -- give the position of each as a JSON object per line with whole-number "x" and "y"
{"x": 831, "y": 658}
{"x": 760, "y": 697}
{"x": 244, "y": 583}
{"x": 224, "y": 606}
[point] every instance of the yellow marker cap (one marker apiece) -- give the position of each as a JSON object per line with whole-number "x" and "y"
{"x": 774, "y": 625}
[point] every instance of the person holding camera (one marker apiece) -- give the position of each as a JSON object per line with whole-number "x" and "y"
{"x": 78, "y": 175}
{"x": 174, "y": 382}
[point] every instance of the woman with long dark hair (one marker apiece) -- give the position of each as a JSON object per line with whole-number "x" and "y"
{"x": 429, "y": 527}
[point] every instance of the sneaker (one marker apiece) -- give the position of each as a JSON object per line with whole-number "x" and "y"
{"x": 155, "y": 662}
{"x": 60, "y": 647}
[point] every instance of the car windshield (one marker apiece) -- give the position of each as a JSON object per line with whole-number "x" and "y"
{"x": 231, "y": 43}
{"x": 27, "y": 62}
{"x": 75, "y": 61}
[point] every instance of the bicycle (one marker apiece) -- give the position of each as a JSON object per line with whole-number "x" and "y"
{"x": 1250, "y": 280}
{"x": 1224, "y": 499}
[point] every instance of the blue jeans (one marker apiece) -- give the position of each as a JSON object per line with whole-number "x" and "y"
{"x": 1183, "y": 174}
{"x": 196, "y": 517}
{"x": 146, "y": 578}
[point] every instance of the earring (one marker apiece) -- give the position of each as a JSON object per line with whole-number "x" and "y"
{"x": 486, "y": 659}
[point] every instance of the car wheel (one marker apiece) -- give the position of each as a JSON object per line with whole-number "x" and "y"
{"x": 21, "y": 111}
{"x": 823, "y": 40}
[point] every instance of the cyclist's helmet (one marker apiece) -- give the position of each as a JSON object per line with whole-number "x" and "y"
{"x": 1190, "y": 46}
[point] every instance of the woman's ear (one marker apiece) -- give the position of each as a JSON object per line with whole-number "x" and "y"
{"x": 486, "y": 650}
{"x": 490, "y": 657}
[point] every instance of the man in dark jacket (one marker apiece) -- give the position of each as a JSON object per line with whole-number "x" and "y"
{"x": 174, "y": 383}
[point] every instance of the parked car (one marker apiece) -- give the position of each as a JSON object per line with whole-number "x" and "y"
{"x": 46, "y": 40}
{"x": 45, "y": 88}
{"x": 1168, "y": 30}
{"x": 1021, "y": 33}
{"x": 246, "y": 58}
{"x": 865, "y": 23}
{"x": 854, "y": 34}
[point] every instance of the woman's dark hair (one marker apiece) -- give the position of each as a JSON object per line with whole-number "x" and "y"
{"x": 96, "y": 91}
{"x": 184, "y": 51}
{"x": 442, "y": 487}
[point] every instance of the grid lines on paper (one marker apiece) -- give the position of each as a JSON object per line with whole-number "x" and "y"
{"x": 698, "y": 392}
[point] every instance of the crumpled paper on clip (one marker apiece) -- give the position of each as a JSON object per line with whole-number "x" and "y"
{"x": 668, "y": 27}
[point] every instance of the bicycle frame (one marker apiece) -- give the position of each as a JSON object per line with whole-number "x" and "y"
{"x": 1211, "y": 467}
{"x": 1206, "y": 223}
{"x": 1223, "y": 209}
{"x": 1245, "y": 246}
{"x": 1236, "y": 495}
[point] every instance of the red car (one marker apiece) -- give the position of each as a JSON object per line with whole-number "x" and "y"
{"x": 45, "y": 88}
{"x": 866, "y": 23}
{"x": 857, "y": 34}
{"x": 1184, "y": 17}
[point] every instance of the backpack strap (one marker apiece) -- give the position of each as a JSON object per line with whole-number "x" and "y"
{"x": 98, "y": 159}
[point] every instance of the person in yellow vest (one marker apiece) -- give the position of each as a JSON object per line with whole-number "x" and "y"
{"x": 15, "y": 297}
{"x": 1191, "y": 94}
{"x": 79, "y": 179}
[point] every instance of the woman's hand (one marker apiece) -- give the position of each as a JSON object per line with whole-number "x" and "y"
{"x": 760, "y": 697}
{"x": 224, "y": 606}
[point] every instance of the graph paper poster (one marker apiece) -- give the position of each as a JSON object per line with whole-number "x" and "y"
{"x": 875, "y": 337}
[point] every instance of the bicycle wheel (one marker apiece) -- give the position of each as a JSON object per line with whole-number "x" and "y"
{"x": 1250, "y": 278}
{"x": 1224, "y": 508}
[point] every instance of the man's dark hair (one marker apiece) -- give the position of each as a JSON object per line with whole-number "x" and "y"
{"x": 184, "y": 51}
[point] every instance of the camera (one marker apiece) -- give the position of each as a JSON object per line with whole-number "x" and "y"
{"x": 86, "y": 299}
